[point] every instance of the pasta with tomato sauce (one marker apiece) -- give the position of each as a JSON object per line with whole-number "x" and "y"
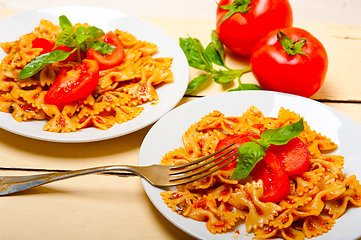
{"x": 317, "y": 197}
{"x": 117, "y": 98}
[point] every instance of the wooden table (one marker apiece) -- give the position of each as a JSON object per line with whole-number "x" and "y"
{"x": 105, "y": 207}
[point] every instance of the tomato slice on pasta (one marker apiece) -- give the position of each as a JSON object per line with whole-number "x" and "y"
{"x": 294, "y": 156}
{"x": 74, "y": 84}
{"x": 112, "y": 59}
{"x": 276, "y": 184}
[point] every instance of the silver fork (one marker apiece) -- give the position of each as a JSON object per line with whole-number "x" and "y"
{"x": 157, "y": 175}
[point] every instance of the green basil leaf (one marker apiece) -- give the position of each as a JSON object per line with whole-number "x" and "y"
{"x": 249, "y": 154}
{"x": 197, "y": 82}
{"x": 41, "y": 61}
{"x": 214, "y": 56}
{"x": 246, "y": 86}
{"x": 282, "y": 135}
{"x": 89, "y": 34}
{"x": 81, "y": 35}
{"x": 88, "y": 43}
{"x": 195, "y": 54}
{"x": 215, "y": 50}
{"x": 202, "y": 53}
{"x": 218, "y": 45}
{"x": 223, "y": 78}
{"x": 66, "y": 37}
{"x": 102, "y": 47}
{"x": 64, "y": 23}
{"x": 95, "y": 32}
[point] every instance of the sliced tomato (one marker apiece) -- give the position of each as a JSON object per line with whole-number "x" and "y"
{"x": 75, "y": 84}
{"x": 294, "y": 156}
{"x": 276, "y": 184}
{"x": 48, "y": 46}
{"x": 238, "y": 140}
{"x": 112, "y": 59}
{"x": 43, "y": 43}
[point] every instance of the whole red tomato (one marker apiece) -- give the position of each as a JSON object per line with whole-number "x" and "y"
{"x": 241, "y": 31}
{"x": 278, "y": 70}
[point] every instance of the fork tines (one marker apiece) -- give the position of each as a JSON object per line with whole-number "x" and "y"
{"x": 204, "y": 168}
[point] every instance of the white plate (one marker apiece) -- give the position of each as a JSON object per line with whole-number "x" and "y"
{"x": 166, "y": 135}
{"x": 169, "y": 94}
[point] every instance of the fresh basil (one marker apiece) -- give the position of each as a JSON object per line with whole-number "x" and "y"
{"x": 81, "y": 35}
{"x": 67, "y": 37}
{"x": 41, "y": 61}
{"x": 281, "y": 136}
{"x": 195, "y": 54}
{"x": 86, "y": 38}
{"x": 214, "y": 56}
{"x": 80, "y": 40}
{"x": 223, "y": 77}
{"x": 250, "y": 153}
{"x": 197, "y": 82}
{"x": 203, "y": 59}
{"x": 64, "y": 23}
{"x": 226, "y": 76}
{"x": 101, "y": 47}
{"x": 246, "y": 86}
{"x": 215, "y": 50}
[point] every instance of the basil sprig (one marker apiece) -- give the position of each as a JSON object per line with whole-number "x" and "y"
{"x": 41, "y": 61}
{"x": 80, "y": 40}
{"x": 250, "y": 153}
{"x": 203, "y": 59}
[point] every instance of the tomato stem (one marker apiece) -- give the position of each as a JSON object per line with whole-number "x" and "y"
{"x": 291, "y": 47}
{"x": 237, "y": 6}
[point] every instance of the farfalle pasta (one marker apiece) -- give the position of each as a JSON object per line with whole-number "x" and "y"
{"x": 317, "y": 197}
{"x": 117, "y": 99}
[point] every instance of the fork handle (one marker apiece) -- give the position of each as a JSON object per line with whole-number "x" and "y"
{"x": 8, "y": 179}
{"x": 12, "y": 184}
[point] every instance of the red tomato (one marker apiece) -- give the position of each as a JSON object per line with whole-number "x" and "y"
{"x": 238, "y": 140}
{"x": 48, "y": 46}
{"x": 294, "y": 156}
{"x": 241, "y": 31}
{"x": 73, "y": 56}
{"x": 114, "y": 58}
{"x": 276, "y": 184}
{"x": 75, "y": 84}
{"x": 276, "y": 70}
{"x": 43, "y": 43}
